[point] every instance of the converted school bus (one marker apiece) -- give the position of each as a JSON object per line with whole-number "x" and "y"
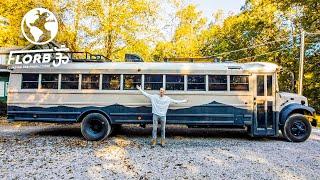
{"x": 103, "y": 95}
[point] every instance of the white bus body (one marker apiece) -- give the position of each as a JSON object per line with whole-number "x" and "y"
{"x": 219, "y": 94}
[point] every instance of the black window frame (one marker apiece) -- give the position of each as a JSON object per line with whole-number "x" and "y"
{"x": 220, "y": 86}
{"x": 134, "y": 83}
{"x": 153, "y": 82}
{"x": 70, "y": 84}
{"x": 49, "y": 83}
{"x": 91, "y": 87}
{"x": 175, "y": 83}
{"x": 106, "y": 82}
{"x": 233, "y": 84}
{"x": 189, "y": 84}
{"x": 25, "y": 83}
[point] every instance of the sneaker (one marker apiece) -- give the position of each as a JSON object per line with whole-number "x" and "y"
{"x": 162, "y": 143}
{"x": 153, "y": 143}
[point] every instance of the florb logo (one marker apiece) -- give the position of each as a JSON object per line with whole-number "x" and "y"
{"x": 39, "y": 26}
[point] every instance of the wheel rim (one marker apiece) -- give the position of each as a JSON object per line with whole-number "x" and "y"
{"x": 95, "y": 126}
{"x": 298, "y": 129}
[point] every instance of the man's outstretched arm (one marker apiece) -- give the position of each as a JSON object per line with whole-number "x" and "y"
{"x": 143, "y": 92}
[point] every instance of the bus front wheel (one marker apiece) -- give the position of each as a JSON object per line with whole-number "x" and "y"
{"x": 95, "y": 127}
{"x": 297, "y": 128}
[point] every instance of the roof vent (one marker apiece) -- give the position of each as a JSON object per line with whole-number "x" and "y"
{"x": 234, "y": 67}
{"x": 133, "y": 58}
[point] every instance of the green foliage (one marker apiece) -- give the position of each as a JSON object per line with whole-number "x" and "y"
{"x": 186, "y": 40}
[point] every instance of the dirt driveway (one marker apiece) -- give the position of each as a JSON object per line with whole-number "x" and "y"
{"x": 47, "y": 151}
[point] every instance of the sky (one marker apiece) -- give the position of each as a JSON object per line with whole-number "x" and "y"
{"x": 210, "y": 6}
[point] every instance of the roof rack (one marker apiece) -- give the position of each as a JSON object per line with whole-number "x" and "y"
{"x": 196, "y": 59}
{"x": 87, "y": 57}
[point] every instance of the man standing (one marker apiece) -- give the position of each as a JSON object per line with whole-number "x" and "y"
{"x": 160, "y": 104}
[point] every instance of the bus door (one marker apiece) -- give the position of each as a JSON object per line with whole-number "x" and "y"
{"x": 264, "y": 122}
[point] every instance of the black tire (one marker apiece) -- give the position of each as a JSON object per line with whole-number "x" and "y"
{"x": 95, "y": 127}
{"x": 297, "y": 128}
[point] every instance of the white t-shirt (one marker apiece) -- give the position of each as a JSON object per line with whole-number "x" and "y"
{"x": 160, "y": 105}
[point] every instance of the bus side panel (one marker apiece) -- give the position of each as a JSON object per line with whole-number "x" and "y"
{"x": 51, "y": 114}
{"x": 202, "y": 115}
{"x": 203, "y": 109}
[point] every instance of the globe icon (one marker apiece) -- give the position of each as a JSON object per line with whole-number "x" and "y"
{"x": 39, "y": 26}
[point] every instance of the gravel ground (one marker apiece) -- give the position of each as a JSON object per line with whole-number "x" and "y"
{"x": 48, "y": 151}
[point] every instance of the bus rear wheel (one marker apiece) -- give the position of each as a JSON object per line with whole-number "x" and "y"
{"x": 297, "y": 128}
{"x": 95, "y": 127}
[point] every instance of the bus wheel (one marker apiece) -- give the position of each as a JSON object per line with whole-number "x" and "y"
{"x": 95, "y": 127}
{"x": 297, "y": 128}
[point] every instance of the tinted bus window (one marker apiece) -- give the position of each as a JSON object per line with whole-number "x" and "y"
{"x": 49, "y": 81}
{"x": 218, "y": 83}
{"x": 260, "y": 85}
{"x": 30, "y": 81}
{"x": 90, "y": 81}
{"x": 153, "y": 82}
{"x": 239, "y": 83}
{"x": 196, "y": 83}
{"x": 269, "y": 85}
{"x": 175, "y": 82}
{"x": 131, "y": 81}
{"x": 110, "y": 82}
{"x": 69, "y": 81}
